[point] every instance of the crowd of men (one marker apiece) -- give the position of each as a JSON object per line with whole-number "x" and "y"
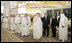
{"x": 40, "y": 25}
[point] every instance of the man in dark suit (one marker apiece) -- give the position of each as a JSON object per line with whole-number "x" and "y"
{"x": 46, "y": 22}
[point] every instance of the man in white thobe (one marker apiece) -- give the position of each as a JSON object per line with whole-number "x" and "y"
{"x": 37, "y": 26}
{"x": 25, "y": 25}
{"x": 18, "y": 23}
{"x": 12, "y": 25}
{"x": 63, "y": 28}
{"x": 6, "y": 22}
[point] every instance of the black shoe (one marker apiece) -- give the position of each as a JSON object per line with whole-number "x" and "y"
{"x": 47, "y": 36}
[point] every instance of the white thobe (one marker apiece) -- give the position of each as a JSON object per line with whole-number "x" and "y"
{"x": 18, "y": 25}
{"x": 12, "y": 25}
{"x": 37, "y": 28}
{"x": 29, "y": 20}
{"x": 25, "y": 28}
{"x": 63, "y": 32}
{"x": 6, "y": 21}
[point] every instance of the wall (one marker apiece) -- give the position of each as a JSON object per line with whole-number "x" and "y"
{"x": 6, "y": 8}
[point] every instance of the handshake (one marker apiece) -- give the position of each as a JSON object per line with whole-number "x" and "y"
{"x": 49, "y": 25}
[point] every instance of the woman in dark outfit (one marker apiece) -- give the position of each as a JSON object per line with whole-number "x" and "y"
{"x": 54, "y": 25}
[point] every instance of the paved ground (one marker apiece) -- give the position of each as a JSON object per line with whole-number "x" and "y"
{"x": 8, "y": 36}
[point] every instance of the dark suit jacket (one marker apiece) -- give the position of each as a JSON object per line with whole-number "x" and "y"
{"x": 46, "y": 21}
{"x": 54, "y": 22}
